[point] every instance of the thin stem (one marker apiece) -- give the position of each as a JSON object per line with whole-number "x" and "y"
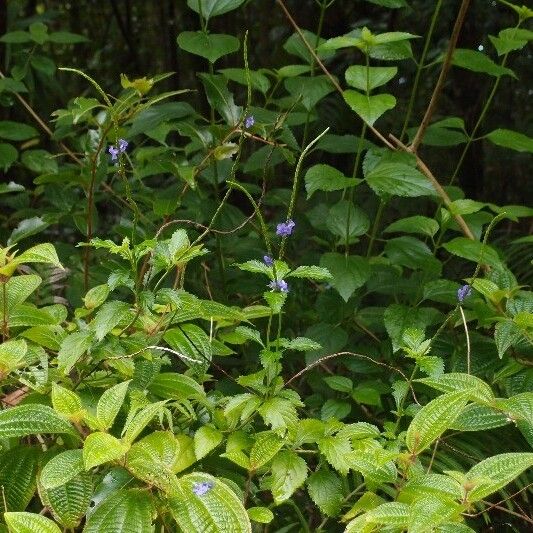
{"x": 419, "y": 68}
{"x": 377, "y": 221}
{"x": 442, "y": 76}
{"x": 5, "y": 327}
{"x": 467, "y": 340}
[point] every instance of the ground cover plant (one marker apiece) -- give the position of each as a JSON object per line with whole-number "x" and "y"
{"x": 262, "y": 302}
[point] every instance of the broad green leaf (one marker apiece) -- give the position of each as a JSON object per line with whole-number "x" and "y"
{"x": 289, "y": 472}
{"x": 336, "y": 450}
{"x": 399, "y": 179}
{"x": 30, "y": 523}
{"x": 349, "y": 273}
{"x": 72, "y": 348}
{"x": 511, "y": 139}
{"x": 206, "y": 439}
{"x": 18, "y": 471}
{"x": 16, "y": 37}
{"x": 390, "y": 513}
{"x": 310, "y": 272}
{"x": 125, "y": 511}
{"x": 213, "y": 8}
{"x": 211, "y": 46}
{"x": 140, "y": 420}
{"x": 415, "y": 224}
{"x": 108, "y": 317}
{"x": 96, "y": 296}
{"x": 339, "y": 383}
{"x": 473, "y": 251}
{"x": 61, "y": 468}
{"x": 39, "y": 161}
{"x": 431, "y": 510}
{"x": 479, "y": 62}
{"x": 26, "y": 228}
{"x": 42, "y": 253}
{"x": 110, "y": 403}
{"x": 438, "y": 485}
{"x": 368, "y": 78}
{"x": 261, "y": 515}
{"x": 479, "y": 418}
{"x": 393, "y": 4}
{"x": 506, "y": 333}
{"x": 345, "y": 217}
{"x": 434, "y": 419}
{"x": 69, "y": 502}
{"x": 520, "y": 410}
{"x": 278, "y": 412}
{"x": 494, "y": 473}
{"x": 325, "y": 489}
{"x": 455, "y": 381}
{"x": 266, "y": 446}
{"x": 66, "y": 402}
{"x": 18, "y": 289}
{"x": 174, "y": 386}
{"x": 31, "y": 419}
{"x": 8, "y": 155}
{"x": 100, "y": 448}
{"x": 66, "y": 37}
{"x": 412, "y": 253}
{"x": 369, "y": 108}
{"x": 16, "y": 131}
{"x": 326, "y": 178}
{"x": 295, "y": 46}
{"x": 12, "y": 355}
{"x": 257, "y": 79}
{"x": 309, "y": 90}
{"x": 204, "y": 501}
{"x": 191, "y": 341}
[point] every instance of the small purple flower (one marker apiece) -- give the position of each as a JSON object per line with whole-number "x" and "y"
{"x": 122, "y": 145}
{"x": 202, "y": 487}
{"x": 249, "y": 121}
{"x": 284, "y": 229}
{"x": 463, "y": 292}
{"x": 279, "y": 285}
{"x": 115, "y": 151}
{"x": 268, "y": 260}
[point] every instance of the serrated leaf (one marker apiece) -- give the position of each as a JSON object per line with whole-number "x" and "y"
{"x": 438, "y": 485}
{"x": 367, "y": 78}
{"x": 206, "y": 439}
{"x": 31, "y": 419}
{"x": 61, "y": 469}
{"x": 266, "y": 446}
{"x": 434, "y": 419}
{"x": 337, "y": 452}
{"x": 66, "y": 402}
{"x": 390, "y": 513}
{"x": 369, "y": 108}
{"x": 140, "y": 420}
{"x": 110, "y": 403}
{"x": 278, "y": 413}
{"x": 326, "y": 178}
{"x": 174, "y": 386}
{"x": 494, "y": 473}
{"x": 456, "y": 381}
{"x": 18, "y": 470}
{"x": 125, "y": 511}
{"x": 205, "y": 502}
{"x": 506, "y": 333}
{"x": 72, "y": 348}
{"x": 108, "y": 317}
{"x": 399, "y": 179}
{"x": 261, "y": 515}
{"x": 42, "y": 253}
{"x": 30, "y": 523}
{"x": 325, "y": 489}
{"x": 479, "y": 418}
{"x": 191, "y": 341}
{"x": 310, "y": 272}
{"x": 100, "y": 448}
{"x": 431, "y": 510}
{"x": 289, "y": 472}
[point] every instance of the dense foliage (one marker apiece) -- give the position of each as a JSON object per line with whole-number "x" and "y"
{"x": 250, "y": 319}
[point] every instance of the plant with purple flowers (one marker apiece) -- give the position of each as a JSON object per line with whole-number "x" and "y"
{"x": 463, "y": 292}
{"x": 279, "y": 285}
{"x": 115, "y": 151}
{"x": 267, "y": 259}
{"x": 203, "y": 487}
{"x": 249, "y": 121}
{"x": 284, "y": 229}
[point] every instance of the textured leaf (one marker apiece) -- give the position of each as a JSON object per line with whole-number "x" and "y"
{"x": 108, "y": 317}
{"x": 204, "y": 503}
{"x": 494, "y": 473}
{"x": 399, "y": 179}
{"x": 431, "y": 510}
{"x": 18, "y": 470}
{"x": 456, "y": 381}
{"x": 262, "y": 515}
{"x": 140, "y": 420}
{"x": 369, "y": 108}
{"x": 310, "y": 272}
{"x": 110, "y": 403}
{"x": 325, "y": 489}
{"x": 72, "y": 348}
{"x": 479, "y": 418}
{"x": 289, "y": 472}
{"x": 191, "y": 341}
{"x": 41, "y": 253}
{"x": 520, "y": 409}
{"x": 337, "y": 451}
{"x": 211, "y": 46}
{"x": 349, "y": 273}
{"x": 66, "y": 402}
{"x": 125, "y": 511}
{"x": 24, "y": 420}
{"x": 434, "y": 419}
{"x": 266, "y": 446}
{"x": 30, "y": 523}
{"x": 61, "y": 469}
{"x": 18, "y": 289}
{"x": 438, "y": 485}
{"x": 206, "y": 439}
{"x": 173, "y": 386}
{"x": 100, "y": 448}
{"x": 391, "y": 513}
{"x": 326, "y": 178}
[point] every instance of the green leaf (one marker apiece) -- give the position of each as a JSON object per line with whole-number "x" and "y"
{"x": 213, "y": 8}
{"x": 369, "y": 108}
{"x": 72, "y": 348}
{"x": 479, "y": 418}
{"x": 339, "y": 383}
{"x": 345, "y": 217}
{"x": 66, "y": 402}
{"x": 266, "y": 446}
{"x": 506, "y": 333}
{"x": 173, "y": 386}
{"x": 218, "y": 509}
{"x": 61, "y": 469}
{"x": 42, "y": 253}
{"x": 473, "y": 251}
{"x": 412, "y": 253}
{"x": 326, "y": 178}
{"x": 30, "y": 523}
{"x": 136, "y": 423}
{"x": 31, "y": 419}
{"x": 125, "y": 511}
{"x": 310, "y": 272}
{"x": 220, "y": 98}
{"x": 477, "y": 389}
{"x": 415, "y": 224}
{"x": 261, "y": 515}
{"x": 69, "y": 502}
{"x": 8, "y": 155}
{"x": 368, "y": 78}
{"x": 393, "y": 4}
{"x": 39, "y": 161}
{"x": 438, "y": 485}
{"x": 18, "y": 289}
{"x": 15, "y": 131}
{"x": 257, "y": 79}
{"x": 295, "y": 46}
{"x": 511, "y": 139}
{"x": 26, "y": 228}
{"x": 431, "y": 510}
{"x": 12, "y": 354}
{"x": 278, "y": 413}
{"x": 325, "y": 489}
{"x": 100, "y": 448}
{"x": 18, "y": 471}
{"x": 16, "y": 37}
{"x": 192, "y": 342}
{"x": 110, "y": 403}
{"x": 289, "y": 472}
{"x": 66, "y": 37}
{"x": 479, "y": 62}
{"x": 211, "y": 46}
{"x": 434, "y": 419}
{"x": 309, "y": 90}
{"x": 349, "y": 273}
{"x": 336, "y": 450}
{"x": 206, "y": 439}
{"x": 399, "y": 179}
{"x": 391, "y": 513}
{"x": 494, "y": 473}
{"x": 108, "y": 317}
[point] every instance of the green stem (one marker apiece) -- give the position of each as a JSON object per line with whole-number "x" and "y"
{"x": 375, "y": 227}
{"x": 5, "y": 330}
{"x": 419, "y": 68}
{"x": 402, "y": 402}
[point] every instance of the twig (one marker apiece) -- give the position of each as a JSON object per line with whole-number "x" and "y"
{"x": 442, "y": 76}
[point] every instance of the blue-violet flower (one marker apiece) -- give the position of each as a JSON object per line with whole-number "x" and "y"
{"x": 249, "y": 121}
{"x": 463, "y": 292}
{"x": 279, "y": 285}
{"x": 268, "y": 260}
{"x": 202, "y": 487}
{"x": 284, "y": 229}
{"x": 115, "y": 151}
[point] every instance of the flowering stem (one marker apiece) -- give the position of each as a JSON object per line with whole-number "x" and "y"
{"x": 467, "y": 340}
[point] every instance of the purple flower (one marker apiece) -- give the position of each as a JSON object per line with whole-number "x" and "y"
{"x": 279, "y": 285}
{"x": 202, "y": 487}
{"x": 463, "y": 292}
{"x": 268, "y": 260}
{"x": 284, "y": 229}
{"x": 249, "y": 122}
{"x": 115, "y": 151}
{"x": 122, "y": 145}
